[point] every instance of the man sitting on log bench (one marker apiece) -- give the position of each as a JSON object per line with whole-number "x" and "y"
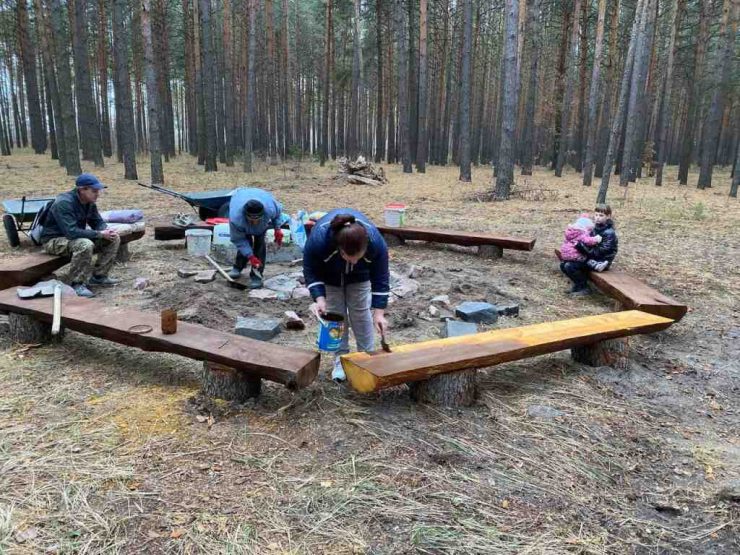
{"x": 65, "y": 233}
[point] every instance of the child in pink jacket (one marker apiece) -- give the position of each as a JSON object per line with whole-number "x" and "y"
{"x": 578, "y": 231}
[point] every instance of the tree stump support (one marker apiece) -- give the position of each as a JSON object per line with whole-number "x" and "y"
{"x": 456, "y": 389}
{"x": 612, "y": 352}
{"x": 490, "y": 251}
{"x": 393, "y": 240}
{"x": 229, "y": 384}
{"x": 28, "y": 330}
{"x": 123, "y": 255}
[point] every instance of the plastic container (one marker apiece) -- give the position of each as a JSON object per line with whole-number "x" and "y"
{"x": 331, "y": 328}
{"x": 198, "y": 241}
{"x": 221, "y": 234}
{"x": 395, "y": 215}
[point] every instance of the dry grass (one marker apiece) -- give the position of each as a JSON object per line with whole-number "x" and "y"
{"x": 101, "y": 451}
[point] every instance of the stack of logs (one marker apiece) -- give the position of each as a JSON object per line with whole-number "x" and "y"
{"x": 361, "y": 172}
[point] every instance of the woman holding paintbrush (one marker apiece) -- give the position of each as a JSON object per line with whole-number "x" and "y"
{"x": 345, "y": 264}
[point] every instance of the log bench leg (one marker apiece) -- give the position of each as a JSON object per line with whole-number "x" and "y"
{"x": 490, "y": 251}
{"x": 28, "y": 330}
{"x": 456, "y": 389}
{"x": 393, "y": 240}
{"x": 123, "y": 255}
{"x": 229, "y": 384}
{"x": 612, "y": 352}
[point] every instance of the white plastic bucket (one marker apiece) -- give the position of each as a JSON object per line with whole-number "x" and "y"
{"x": 198, "y": 241}
{"x": 221, "y": 234}
{"x": 395, "y": 215}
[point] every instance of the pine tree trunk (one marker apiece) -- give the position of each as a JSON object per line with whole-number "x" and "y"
{"x": 665, "y": 123}
{"x": 636, "y": 97}
{"x": 44, "y": 33}
{"x": 251, "y": 84}
{"x": 616, "y": 130}
{"x": 695, "y": 87}
{"x": 565, "y": 123}
{"x": 103, "y": 78}
{"x": 28, "y": 57}
{"x": 593, "y": 97}
{"x": 27, "y": 330}
{"x": 735, "y": 173}
{"x": 155, "y": 152}
{"x": 52, "y": 130}
{"x": 609, "y": 88}
{"x": 533, "y": 43}
{"x": 60, "y": 41}
{"x": 465, "y": 77}
{"x": 229, "y": 384}
{"x": 456, "y": 389}
{"x": 577, "y": 141}
{"x": 122, "y": 86}
{"x": 404, "y": 138}
{"x": 723, "y": 73}
{"x": 560, "y": 79}
{"x": 380, "y": 110}
{"x": 354, "y": 104}
{"x": 209, "y": 92}
{"x": 505, "y": 165}
{"x": 87, "y": 116}
{"x": 324, "y": 154}
{"x": 423, "y": 136}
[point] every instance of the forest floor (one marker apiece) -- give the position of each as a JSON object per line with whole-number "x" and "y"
{"x": 107, "y": 448}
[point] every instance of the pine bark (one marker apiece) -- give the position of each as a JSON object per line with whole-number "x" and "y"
{"x": 44, "y": 36}
{"x": 155, "y": 152}
{"x": 532, "y": 46}
{"x": 103, "y": 79}
{"x": 593, "y": 97}
{"x": 28, "y": 58}
{"x": 380, "y": 107}
{"x": 465, "y": 77}
{"x": 423, "y": 134}
{"x": 59, "y": 41}
{"x": 122, "y": 88}
{"x": 324, "y": 154}
{"x": 694, "y": 93}
{"x": 735, "y": 184}
{"x": 661, "y": 146}
{"x": 251, "y": 85}
{"x": 353, "y": 124}
{"x": 565, "y": 113}
{"x": 617, "y": 122}
{"x": 209, "y": 91}
{"x": 404, "y": 137}
{"x": 723, "y": 73}
{"x": 505, "y": 165}
{"x": 87, "y": 116}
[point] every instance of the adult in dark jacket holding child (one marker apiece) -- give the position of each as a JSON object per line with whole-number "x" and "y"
{"x": 345, "y": 264}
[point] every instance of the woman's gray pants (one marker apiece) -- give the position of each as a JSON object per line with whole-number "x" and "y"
{"x": 353, "y": 301}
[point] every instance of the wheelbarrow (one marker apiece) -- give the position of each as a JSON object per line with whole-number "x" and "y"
{"x": 209, "y": 204}
{"x": 19, "y": 216}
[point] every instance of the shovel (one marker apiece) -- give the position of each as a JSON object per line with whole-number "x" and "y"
{"x": 229, "y": 281}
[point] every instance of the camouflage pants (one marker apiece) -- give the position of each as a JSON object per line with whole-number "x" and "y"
{"x": 81, "y": 251}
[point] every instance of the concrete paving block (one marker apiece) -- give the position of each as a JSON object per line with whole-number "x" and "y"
{"x": 478, "y": 312}
{"x": 262, "y": 329}
{"x": 455, "y": 328}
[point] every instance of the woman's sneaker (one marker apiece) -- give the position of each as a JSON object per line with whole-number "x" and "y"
{"x": 337, "y": 374}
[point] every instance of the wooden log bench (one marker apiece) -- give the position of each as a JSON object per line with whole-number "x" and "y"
{"x": 426, "y": 365}
{"x": 633, "y": 294}
{"x": 29, "y": 269}
{"x": 164, "y": 230}
{"x": 233, "y": 365}
{"x": 489, "y": 246}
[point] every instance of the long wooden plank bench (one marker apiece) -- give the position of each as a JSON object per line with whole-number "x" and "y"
{"x": 369, "y": 372}
{"x": 27, "y": 270}
{"x": 295, "y": 368}
{"x": 631, "y": 293}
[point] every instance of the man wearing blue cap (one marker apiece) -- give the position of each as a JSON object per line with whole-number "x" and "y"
{"x": 66, "y": 233}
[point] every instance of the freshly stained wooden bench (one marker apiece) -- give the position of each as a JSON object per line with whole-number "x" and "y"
{"x": 631, "y": 293}
{"x": 27, "y": 270}
{"x": 368, "y": 372}
{"x": 228, "y": 356}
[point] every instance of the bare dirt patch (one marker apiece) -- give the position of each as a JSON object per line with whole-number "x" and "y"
{"x": 108, "y": 448}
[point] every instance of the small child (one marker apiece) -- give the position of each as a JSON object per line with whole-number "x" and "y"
{"x": 580, "y": 231}
{"x": 597, "y": 258}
